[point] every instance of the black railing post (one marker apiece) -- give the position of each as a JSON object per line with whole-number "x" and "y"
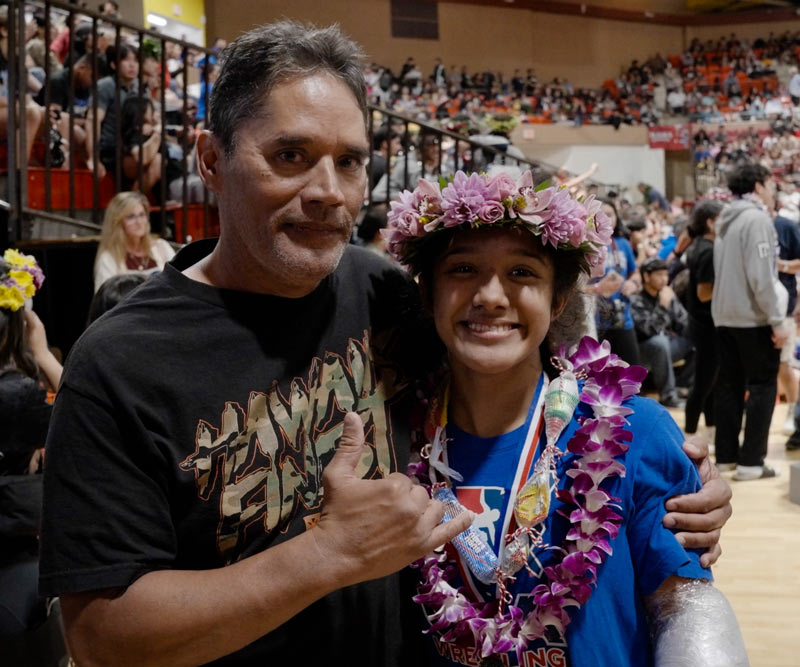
{"x": 95, "y": 156}
{"x": 48, "y": 205}
{"x": 164, "y": 147}
{"x": 22, "y": 96}
{"x": 12, "y": 145}
{"x": 71, "y": 111}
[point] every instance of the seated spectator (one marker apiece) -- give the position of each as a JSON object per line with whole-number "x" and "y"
{"x": 385, "y": 143}
{"x": 126, "y": 244}
{"x": 141, "y": 134}
{"x": 112, "y": 291}
{"x": 125, "y": 65}
{"x": 369, "y": 230}
{"x": 660, "y": 322}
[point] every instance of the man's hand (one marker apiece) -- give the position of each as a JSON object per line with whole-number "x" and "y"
{"x": 376, "y": 527}
{"x": 665, "y": 296}
{"x": 701, "y": 515}
{"x": 779, "y": 336}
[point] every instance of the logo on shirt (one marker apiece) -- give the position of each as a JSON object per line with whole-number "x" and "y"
{"x": 487, "y": 503}
{"x": 262, "y": 463}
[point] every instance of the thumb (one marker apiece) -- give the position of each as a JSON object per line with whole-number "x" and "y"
{"x": 348, "y": 453}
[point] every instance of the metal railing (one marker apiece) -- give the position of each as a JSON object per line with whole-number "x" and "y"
{"x": 21, "y": 104}
{"x": 427, "y": 150}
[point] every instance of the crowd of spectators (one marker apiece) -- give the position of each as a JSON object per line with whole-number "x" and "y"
{"x": 712, "y": 81}
{"x": 137, "y": 136}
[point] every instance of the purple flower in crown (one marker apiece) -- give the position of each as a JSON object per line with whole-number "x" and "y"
{"x": 566, "y": 223}
{"x": 463, "y": 199}
{"x": 529, "y": 205}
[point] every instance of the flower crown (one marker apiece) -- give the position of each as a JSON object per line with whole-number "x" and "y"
{"x": 479, "y": 200}
{"x": 20, "y": 278}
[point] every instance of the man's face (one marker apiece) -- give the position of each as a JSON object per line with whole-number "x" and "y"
{"x": 766, "y": 192}
{"x": 292, "y": 187}
{"x": 655, "y": 281}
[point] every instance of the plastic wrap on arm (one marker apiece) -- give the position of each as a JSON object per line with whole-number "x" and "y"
{"x": 693, "y": 624}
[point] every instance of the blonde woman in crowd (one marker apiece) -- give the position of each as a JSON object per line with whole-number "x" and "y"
{"x": 126, "y": 244}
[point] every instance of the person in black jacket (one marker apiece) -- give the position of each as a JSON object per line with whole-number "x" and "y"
{"x": 660, "y": 322}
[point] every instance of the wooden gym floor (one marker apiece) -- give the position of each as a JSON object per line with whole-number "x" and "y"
{"x": 759, "y": 571}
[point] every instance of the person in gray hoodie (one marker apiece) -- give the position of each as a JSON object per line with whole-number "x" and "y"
{"x": 748, "y": 306}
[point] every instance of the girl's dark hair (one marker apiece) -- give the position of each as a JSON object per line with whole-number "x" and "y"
{"x": 704, "y": 210}
{"x": 14, "y": 352}
{"x": 132, "y": 119}
{"x": 111, "y": 292}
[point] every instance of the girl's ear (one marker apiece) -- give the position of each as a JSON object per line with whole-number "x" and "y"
{"x": 558, "y": 307}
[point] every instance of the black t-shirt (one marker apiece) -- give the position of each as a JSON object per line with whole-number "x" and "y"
{"x": 700, "y": 260}
{"x": 24, "y": 418}
{"x": 191, "y": 430}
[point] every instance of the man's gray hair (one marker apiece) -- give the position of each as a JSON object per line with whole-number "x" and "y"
{"x": 270, "y": 54}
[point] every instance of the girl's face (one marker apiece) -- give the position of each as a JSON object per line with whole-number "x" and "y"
{"x": 492, "y": 301}
{"x": 135, "y": 222}
{"x": 609, "y": 211}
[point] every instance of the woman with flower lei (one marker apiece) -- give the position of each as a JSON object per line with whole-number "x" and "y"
{"x": 26, "y": 364}
{"x": 564, "y": 466}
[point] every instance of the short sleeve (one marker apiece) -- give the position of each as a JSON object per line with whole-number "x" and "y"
{"x": 106, "y": 518}
{"x": 704, "y": 265}
{"x": 661, "y": 472}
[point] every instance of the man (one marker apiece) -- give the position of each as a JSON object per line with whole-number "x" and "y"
{"x": 748, "y": 313}
{"x": 660, "y": 322}
{"x": 385, "y": 143}
{"x": 189, "y": 524}
{"x": 788, "y": 264}
{"x": 654, "y": 198}
{"x": 439, "y": 74}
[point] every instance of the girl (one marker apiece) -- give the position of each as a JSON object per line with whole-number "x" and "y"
{"x": 565, "y": 468}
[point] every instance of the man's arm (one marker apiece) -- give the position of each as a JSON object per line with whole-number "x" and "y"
{"x": 368, "y": 529}
{"x": 700, "y": 516}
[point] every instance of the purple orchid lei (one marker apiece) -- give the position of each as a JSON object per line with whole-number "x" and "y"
{"x": 479, "y": 200}
{"x": 495, "y": 627}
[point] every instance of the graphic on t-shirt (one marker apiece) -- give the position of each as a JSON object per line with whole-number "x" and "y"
{"x": 487, "y": 502}
{"x": 264, "y": 462}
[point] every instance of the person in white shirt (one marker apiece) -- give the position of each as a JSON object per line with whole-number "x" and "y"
{"x": 126, "y": 244}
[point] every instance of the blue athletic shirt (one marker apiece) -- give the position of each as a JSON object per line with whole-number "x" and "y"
{"x": 621, "y": 259}
{"x": 611, "y": 628}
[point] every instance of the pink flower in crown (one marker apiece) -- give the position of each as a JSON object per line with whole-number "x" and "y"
{"x": 463, "y": 199}
{"x": 502, "y": 188}
{"x": 566, "y": 223}
{"x": 404, "y": 215}
{"x": 429, "y": 203}
{"x": 529, "y": 205}
{"x": 600, "y": 228}
{"x": 597, "y": 261}
{"x": 491, "y": 211}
